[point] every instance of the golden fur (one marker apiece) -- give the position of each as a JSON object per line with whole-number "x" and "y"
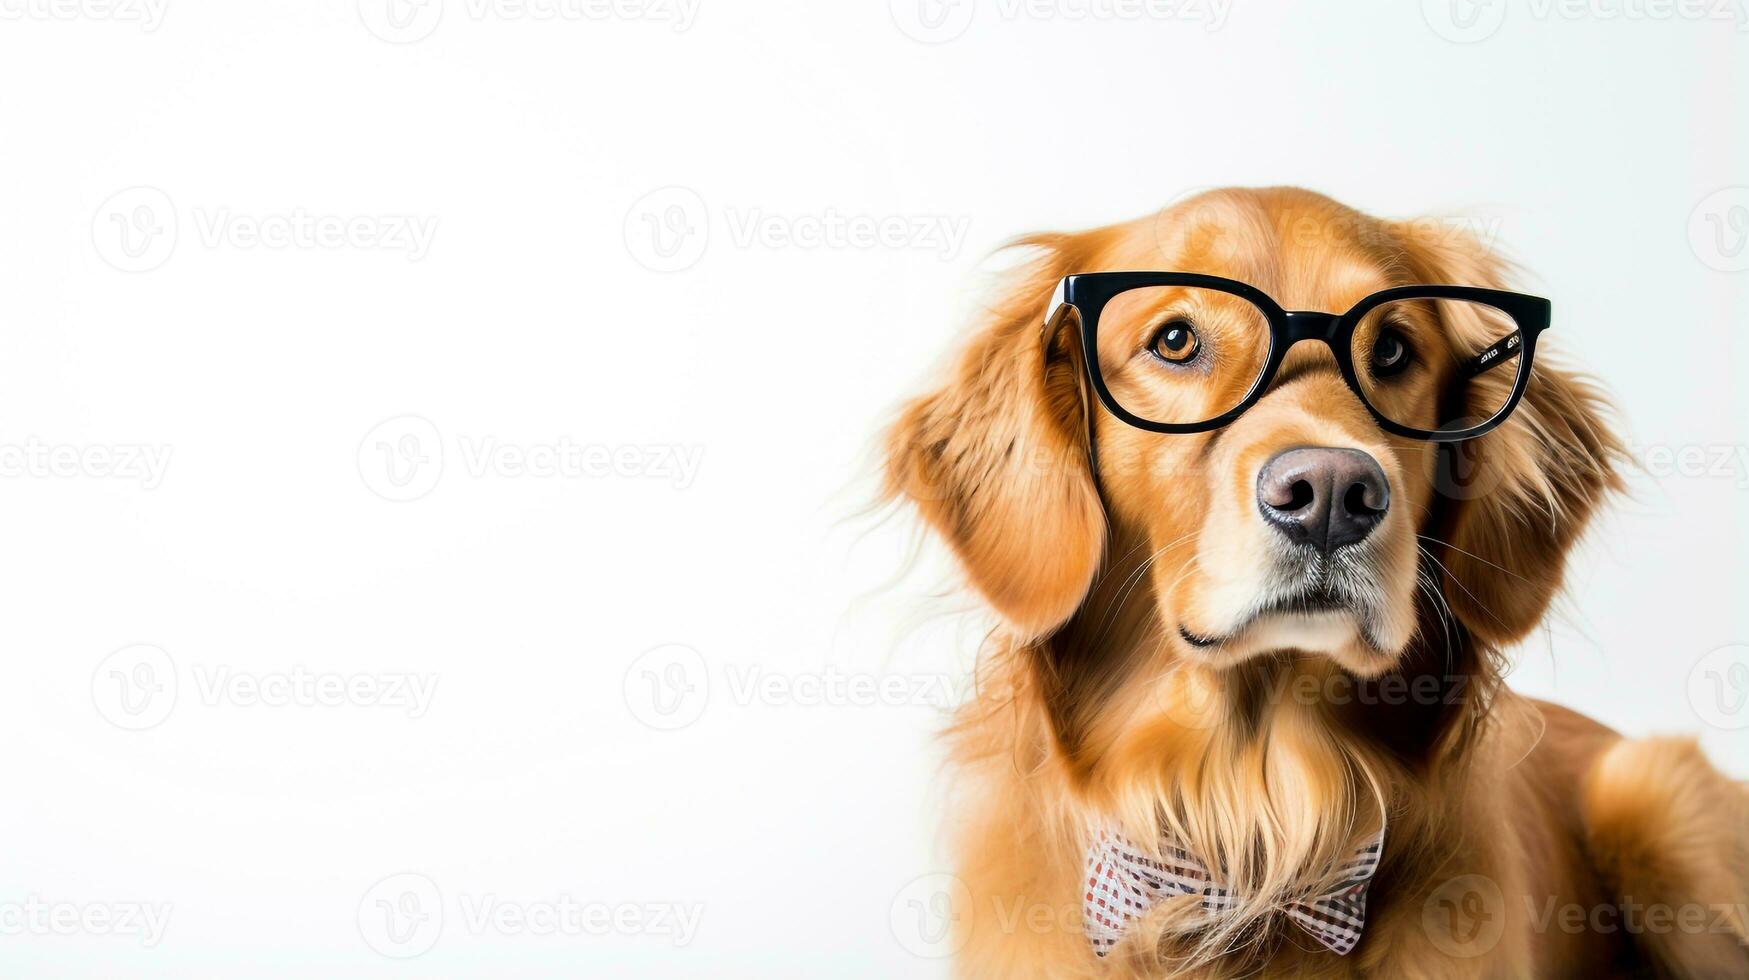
{"x": 1274, "y": 756}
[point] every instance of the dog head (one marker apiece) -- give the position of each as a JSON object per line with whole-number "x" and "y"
{"x": 1301, "y": 531}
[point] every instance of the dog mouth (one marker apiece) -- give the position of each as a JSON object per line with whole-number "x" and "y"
{"x": 1321, "y": 602}
{"x": 1320, "y": 598}
{"x": 1341, "y": 605}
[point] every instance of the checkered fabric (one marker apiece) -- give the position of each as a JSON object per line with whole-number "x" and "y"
{"x": 1123, "y": 884}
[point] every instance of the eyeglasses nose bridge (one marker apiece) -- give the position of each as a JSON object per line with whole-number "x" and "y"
{"x": 1311, "y": 325}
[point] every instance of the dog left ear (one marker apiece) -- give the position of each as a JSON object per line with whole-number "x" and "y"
{"x": 996, "y": 460}
{"x": 1533, "y": 483}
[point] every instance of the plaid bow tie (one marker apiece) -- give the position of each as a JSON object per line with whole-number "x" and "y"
{"x": 1123, "y": 884}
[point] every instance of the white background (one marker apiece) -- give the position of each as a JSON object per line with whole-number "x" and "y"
{"x": 589, "y": 280}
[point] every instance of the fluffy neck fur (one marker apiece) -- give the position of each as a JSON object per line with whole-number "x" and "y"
{"x": 1273, "y": 771}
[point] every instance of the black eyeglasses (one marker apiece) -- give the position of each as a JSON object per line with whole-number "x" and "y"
{"x": 1180, "y": 352}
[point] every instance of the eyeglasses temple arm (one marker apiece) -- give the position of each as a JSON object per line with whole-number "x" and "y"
{"x": 1055, "y": 311}
{"x": 1496, "y": 354}
{"x": 1058, "y": 305}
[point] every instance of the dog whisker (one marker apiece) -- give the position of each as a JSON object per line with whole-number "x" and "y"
{"x": 1503, "y": 570}
{"x": 1133, "y": 579}
{"x": 1479, "y": 604}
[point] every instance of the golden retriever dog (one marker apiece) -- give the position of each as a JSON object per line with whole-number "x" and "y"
{"x": 1255, "y": 572}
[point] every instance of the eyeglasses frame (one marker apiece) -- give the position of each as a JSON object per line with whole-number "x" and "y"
{"x": 1088, "y": 293}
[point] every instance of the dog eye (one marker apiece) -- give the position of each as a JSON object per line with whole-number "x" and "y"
{"x": 1176, "y": 341}
{"x": 1391, "y": 354}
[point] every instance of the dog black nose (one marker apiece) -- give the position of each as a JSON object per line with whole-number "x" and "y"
{"x": 1323, "y": 497}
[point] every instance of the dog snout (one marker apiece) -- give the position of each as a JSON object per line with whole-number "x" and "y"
{"x": 1322, "y": 496}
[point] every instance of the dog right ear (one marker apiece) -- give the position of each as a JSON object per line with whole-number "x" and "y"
{"x": 1556, "y": 460}
{"x": 996, "y": 460}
